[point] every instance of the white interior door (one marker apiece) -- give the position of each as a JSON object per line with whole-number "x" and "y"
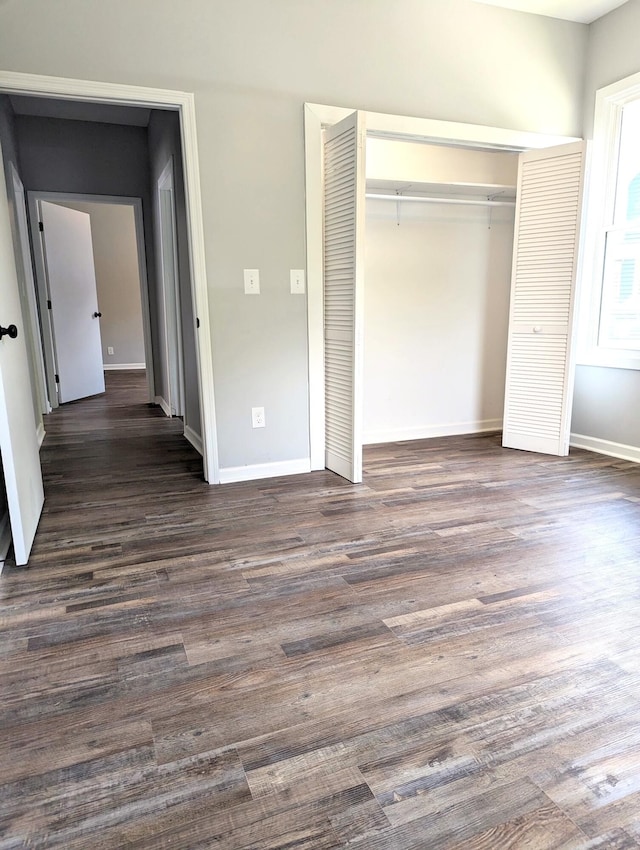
{"x": 75, "y": 315}
{"x": 540, "y": 362}
{"x": 344, "y": 212}
{"x": 18, "y": 440}
{"x": 170, "y": 291}
{"x": 28, "y": 293}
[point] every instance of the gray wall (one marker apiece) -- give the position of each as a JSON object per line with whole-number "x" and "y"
{"x": 607, "y": 404}
{"x": 251, "y": 65}
{"x": 165, "y": 144}
{"x": 86, "y": 157}
{"x": 607, "y": 401}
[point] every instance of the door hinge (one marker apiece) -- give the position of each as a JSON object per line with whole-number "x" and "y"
{"x": 40, "y": 226}
{"x": 57, "y": 379}
{"x": 197, "y": 322}
{"x": 48, "y": 305}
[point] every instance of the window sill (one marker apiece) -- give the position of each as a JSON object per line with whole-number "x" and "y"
{"x": 610, "y": 359}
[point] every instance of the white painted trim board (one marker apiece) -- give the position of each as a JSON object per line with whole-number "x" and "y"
{"x": 233, "y": 474}
{"x": 425, "y": 432}
{"x": 605, "y": 447}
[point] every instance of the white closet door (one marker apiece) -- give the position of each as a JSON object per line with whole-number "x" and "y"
{"x": 539, "y": 382}
{"x": 344, "y": 201}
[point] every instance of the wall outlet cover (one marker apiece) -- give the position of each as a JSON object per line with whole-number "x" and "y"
{"x": 257, "y": 417}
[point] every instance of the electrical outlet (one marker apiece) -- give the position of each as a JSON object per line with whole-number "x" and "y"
{"x": 252, "y": 282}
{"x": 257, "y": 417}
{"x": 297, "y": 281}
{"x": 110, "y": 350}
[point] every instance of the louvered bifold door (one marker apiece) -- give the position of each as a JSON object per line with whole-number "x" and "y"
{"x": 539, "y": 382}
{"x": 344, "y": 200}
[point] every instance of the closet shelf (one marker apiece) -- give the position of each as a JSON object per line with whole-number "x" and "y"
{"x": 440, "y": 199}
{"x": 485, "y": 194}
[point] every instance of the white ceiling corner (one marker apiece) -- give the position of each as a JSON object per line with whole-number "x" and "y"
{"x": 580, "y": 11}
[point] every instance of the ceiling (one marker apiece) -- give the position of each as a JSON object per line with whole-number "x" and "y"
{"x": 48, "y": 107}
{"x": 581, "y": 11}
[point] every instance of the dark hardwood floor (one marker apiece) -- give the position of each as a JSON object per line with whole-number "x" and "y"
{"x": 446, "y": 656}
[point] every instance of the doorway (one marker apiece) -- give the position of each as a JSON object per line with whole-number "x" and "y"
{"x": 122, "y": 294}
{"x": 88, "y": 93}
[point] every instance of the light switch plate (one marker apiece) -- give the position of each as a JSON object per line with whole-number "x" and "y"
{"x": 297, "y": 281}
{"x": 251, "y": 282}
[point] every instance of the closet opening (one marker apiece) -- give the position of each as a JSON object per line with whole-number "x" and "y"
{"x": 443, "y": 230}
{"x": 439, "y": 225}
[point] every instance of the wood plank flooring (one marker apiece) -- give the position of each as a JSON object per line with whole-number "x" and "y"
{"x": 446, "y": 656}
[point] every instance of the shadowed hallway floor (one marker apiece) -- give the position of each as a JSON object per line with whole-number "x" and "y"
{"x": 445, "y": 656}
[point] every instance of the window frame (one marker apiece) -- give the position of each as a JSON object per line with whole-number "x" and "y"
{"x": 600, "y": 206}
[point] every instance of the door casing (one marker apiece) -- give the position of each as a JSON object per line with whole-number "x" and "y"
{"x": 183, "y": 103}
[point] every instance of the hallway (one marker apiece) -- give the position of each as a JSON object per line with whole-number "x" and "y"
{"x": 102, "y": 459}
{"x": 442, "y": 657}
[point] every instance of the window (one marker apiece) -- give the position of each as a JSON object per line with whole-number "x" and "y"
{"x": 611, "y": 271}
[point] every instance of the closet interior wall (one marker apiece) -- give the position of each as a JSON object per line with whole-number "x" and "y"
{"x": 437, "y": 289}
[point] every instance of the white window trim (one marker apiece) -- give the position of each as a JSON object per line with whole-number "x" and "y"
{"x": 610, "y": 101}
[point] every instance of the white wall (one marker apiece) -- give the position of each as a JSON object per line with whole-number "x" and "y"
{"x": 607, "y": 401}
{"x": 437, "y": 286}
{"x": 251, "y": 65}
{"x": 115, "y": 254}
{"x": 436, "y": 316}
{"x": 414, "y": 162}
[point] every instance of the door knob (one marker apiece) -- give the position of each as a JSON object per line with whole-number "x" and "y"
{"x": 97, "y": 315}
{"x": 11, "y": 332}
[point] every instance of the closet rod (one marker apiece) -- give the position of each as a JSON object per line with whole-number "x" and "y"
{"x": 429, "y": 199}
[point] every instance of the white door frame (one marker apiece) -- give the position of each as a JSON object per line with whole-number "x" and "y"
{"x": 41, "y": 277}
{"x": 171, "y": 309}
{"x": 35, "y": 85}
{"x": 317, "y": 116}
{"x": 27, "y": 284}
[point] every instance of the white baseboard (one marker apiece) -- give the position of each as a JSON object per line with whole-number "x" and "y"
{"x": 114, "y": 367}
{"x": 605, "y": 447}
{"x": 424, "y": 432}
{"x": 40, "y": 434}
{"x": 231, "y": 474}
{"x": 163, "y": 404}
{"x": 5, "y": 538}
{"x": 193, "y": 438}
